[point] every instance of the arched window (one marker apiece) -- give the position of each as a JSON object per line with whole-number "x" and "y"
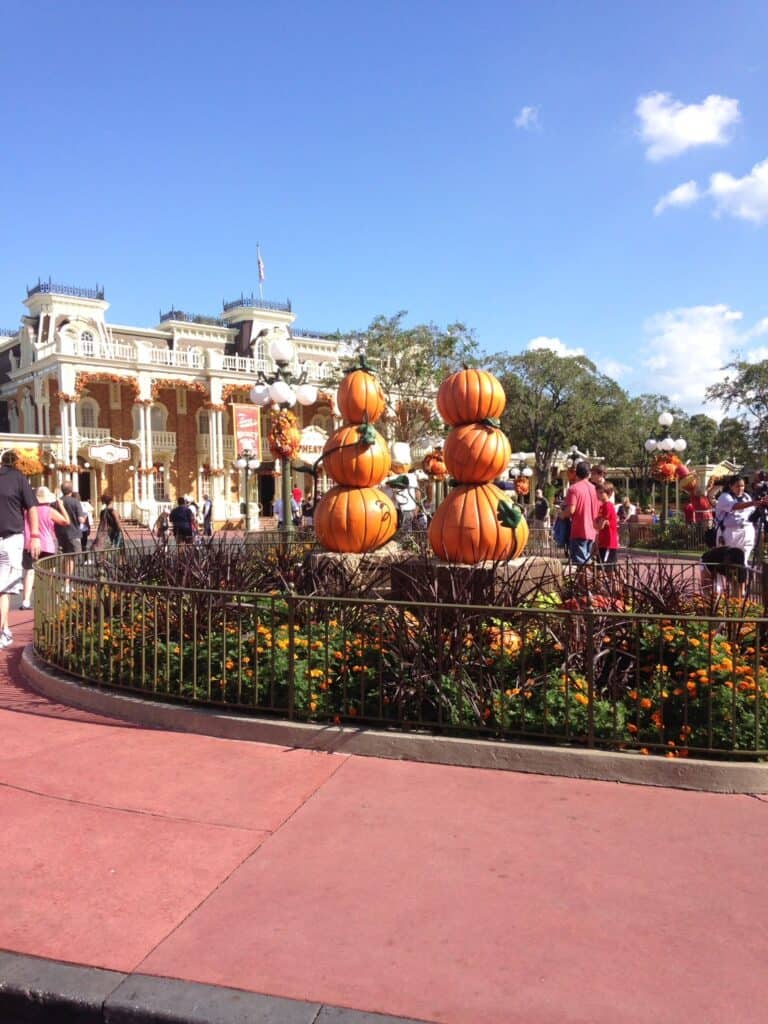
{"x": 87, "y": 412}
{"x": 87, "y": 347}
{"x": 158, "y": 417}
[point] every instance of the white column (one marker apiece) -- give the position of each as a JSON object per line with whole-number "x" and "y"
{"x": 64, "y": 420}
{"x": 73, "y": 431}
{"x": 216, "y": 440}
{"x": 148, "y": 433}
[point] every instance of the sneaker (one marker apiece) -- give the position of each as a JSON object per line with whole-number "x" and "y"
{"x": 6, "y": 638}
{"x": 25, "y": 607}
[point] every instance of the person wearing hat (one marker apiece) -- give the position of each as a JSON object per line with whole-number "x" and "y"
{"x": 49, "y": 516}
{"x": 15, "y": 496}
{"x": 296, "y": 506}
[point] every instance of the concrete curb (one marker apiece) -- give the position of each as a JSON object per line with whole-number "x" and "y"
{"x": 575, "y": 763}
{"x": 38, "y": 991}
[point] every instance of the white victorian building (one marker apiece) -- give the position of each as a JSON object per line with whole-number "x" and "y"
{"x": 147, "y": 414}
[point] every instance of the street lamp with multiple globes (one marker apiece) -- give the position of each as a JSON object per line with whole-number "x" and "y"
{"x": 665, "y": 444}
{"x": 249, "y": 462}
{"x": 282, "y": 389}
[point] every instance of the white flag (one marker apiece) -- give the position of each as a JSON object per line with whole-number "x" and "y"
{"x": 260, "y": 264}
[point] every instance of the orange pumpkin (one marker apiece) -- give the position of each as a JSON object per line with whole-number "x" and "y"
{"x": 465, "y": 528}
{"x": 470, "y": 395}
{"x": 348, "y": 460}
{"x": 355, "y": 519}
{"x": 477, "y": 453}
{"x": 522, "y": 485}
{"x": 360, "y": 397}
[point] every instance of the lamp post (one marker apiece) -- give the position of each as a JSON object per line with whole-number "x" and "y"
{"x": 668, "y": 445}
{"x": 282, "y": 390}
{"x": 249, "y": 462}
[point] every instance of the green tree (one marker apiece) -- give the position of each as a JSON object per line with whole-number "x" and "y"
{"x": 554, "y": 402}
{"x": 412, "y": 362}
{"x": 745, "y": 389}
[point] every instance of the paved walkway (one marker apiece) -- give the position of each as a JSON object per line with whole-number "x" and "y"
{"x": 428, "y": 892}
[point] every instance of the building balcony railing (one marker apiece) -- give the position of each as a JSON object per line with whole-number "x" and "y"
{"x": 8, "y": 332}
{"x": 105, "y": 350}
{"x": 257, "y": 303}
{"x": 316, "y": 372}
{"x": 176, "y": 357}
{"x": 49, "y": 288}
{"x": 88, "y": 435}
{"x": 163, "y": 440}
{"x": 192, "y": 318}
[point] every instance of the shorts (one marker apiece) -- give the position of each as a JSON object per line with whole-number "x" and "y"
{"x": 11, "y": 557}
{"x": 580, "y": 550}
{"x": 28, "y": 562}
{"x": 68, "y": 545}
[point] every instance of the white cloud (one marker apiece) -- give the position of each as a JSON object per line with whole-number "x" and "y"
{"x": 746, "y": 198}
{"x": 613, "y": 369}
{"x": 683, "y": 195}
{"x": 528, "y": 118}
{"x": 687, "y": 350}
{"x": 757, "y": 355}
{"x": 669, "y": 127}
{"x": 553, "y": 345}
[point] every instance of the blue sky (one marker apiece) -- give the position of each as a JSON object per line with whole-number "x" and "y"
{"x": 584, "y": 173}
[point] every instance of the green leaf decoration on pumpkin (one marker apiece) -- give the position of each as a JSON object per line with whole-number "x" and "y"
{"x": 398, "y": 483}
{"x": 509, "y": 514}
{"x": 491, "y": 422}
{"x": 367, "y": 434}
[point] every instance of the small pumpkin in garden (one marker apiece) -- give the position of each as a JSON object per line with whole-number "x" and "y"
{"x": 360, "y": 396}
{"x": 466, "y": 526}
{"x": 476, "y": 453}
{"x": 355, "y": 519}
{"x": 470, "y": 395}
{"x": 357, "y": 456}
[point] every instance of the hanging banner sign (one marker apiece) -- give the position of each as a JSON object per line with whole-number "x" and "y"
{"x": 245, "y": 419}
{"x": 109, "y": 453}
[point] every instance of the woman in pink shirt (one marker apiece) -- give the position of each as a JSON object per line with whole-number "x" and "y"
{"x": 607, "y": 525}
{"x": 47, "y": 516}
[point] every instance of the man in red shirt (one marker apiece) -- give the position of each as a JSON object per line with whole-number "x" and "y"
{"x": 582, "y": 508}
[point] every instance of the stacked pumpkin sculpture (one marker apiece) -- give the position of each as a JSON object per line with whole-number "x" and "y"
{"x": 356, "y": 516}
{"x": 475, "y": 522}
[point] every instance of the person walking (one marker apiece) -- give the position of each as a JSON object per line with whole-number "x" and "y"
{"x": 540, "y": 511}
{"x": 110, "y": 531}
{"x": 86, "y": 523}
{"x": 733, "y": 513}
{"x": 49, "y": 516}
{"x": 207, "y": 516}
{"x": 68, "y": 534}
{"x": 581, "y": 507}
{"x": 16, "y": 496}
{"x": 183, "y": 522}
{"x": 608, "y": 525}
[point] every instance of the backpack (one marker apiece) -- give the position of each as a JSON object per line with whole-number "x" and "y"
{"x": 561, "y": 532}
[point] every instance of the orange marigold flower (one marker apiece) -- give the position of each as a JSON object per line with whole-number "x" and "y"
{"x": 631, "y": 727}
{"x": 646, "y": 703}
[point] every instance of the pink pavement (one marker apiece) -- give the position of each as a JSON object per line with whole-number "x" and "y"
{"x": 445, "y": 894}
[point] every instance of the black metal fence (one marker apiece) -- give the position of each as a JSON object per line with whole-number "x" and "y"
{"x": 587, "y": 669}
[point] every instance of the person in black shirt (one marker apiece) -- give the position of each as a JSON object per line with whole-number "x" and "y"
{"x": 15, "y": 496}
{"x": 69, "y": 536}
{"x": 183, "y": 522}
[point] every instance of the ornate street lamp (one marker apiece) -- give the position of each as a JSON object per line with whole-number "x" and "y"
{"x": 521, "y": 471}
{"x": 668, "y": 445}
{"x": 249, "y": 462}
{"x": 282, "y": 390}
